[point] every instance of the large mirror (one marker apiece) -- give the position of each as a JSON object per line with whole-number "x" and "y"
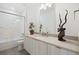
{"x": 48, "y": 18}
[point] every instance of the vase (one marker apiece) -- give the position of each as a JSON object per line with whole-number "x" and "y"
{"x": 31, "y": 32}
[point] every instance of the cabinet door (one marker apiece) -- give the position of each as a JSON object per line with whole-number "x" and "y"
{"x": 53, "y": 50}
{"x": 28, "y": 44}
{"x": 31, "y": 45}
{"x": 35, "y": 49}
{"x": 39, "y": 48}
{"x": 42, "y": 48}
{"x": 67, "y": 52}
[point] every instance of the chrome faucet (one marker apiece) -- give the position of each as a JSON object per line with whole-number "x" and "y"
{"x": 47, "y": 34}
{"x": 40, "y": 28}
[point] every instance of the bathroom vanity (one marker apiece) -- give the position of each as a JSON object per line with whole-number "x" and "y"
{"x": 43, "y": 45}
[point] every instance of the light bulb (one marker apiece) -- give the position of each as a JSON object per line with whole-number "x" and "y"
{"x": 49, "y": 5}
{"x": 43, "y": 6}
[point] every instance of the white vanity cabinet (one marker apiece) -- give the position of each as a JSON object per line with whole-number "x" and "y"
{"x": 28, "y": 44}
{"x": 67, "y": 52}
{"x": 35, "y": 47}
{"x": 38, "y": 47}
{"x": 54, "y": 50}
{"x": 42, "y": 48}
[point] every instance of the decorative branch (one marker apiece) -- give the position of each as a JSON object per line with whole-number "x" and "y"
{"x": 65, "y": 18}
{"x": 60, "y": 20}
{"x": 61, "y": 30}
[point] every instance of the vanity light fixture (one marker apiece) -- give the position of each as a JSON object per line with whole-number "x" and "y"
{"x": 45, "y": 5}
{"x": 48, "y": 4}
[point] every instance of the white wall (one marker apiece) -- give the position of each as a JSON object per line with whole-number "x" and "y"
{"x": 32, "y": 15}
{"x": 31, "y": 12}
{"x": 48, "y": 20}
{"x": 71, "y": 26}
{"x": 17, "y": 8}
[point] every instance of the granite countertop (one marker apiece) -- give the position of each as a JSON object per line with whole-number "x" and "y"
{"x": 69, "y": 44}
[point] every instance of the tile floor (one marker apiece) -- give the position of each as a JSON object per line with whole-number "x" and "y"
{"x": 14, "y": 51}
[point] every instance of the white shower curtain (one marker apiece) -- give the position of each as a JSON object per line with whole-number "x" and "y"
{"x": 11, "y": 26}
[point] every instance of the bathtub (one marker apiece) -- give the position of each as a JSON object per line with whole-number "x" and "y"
{"x": 8, "y": 43}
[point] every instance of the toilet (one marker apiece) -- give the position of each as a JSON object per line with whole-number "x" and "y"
{"x": 20, "y": 44}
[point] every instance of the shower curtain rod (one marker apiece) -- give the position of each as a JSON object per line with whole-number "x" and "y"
{"x": 11, "y": 13}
